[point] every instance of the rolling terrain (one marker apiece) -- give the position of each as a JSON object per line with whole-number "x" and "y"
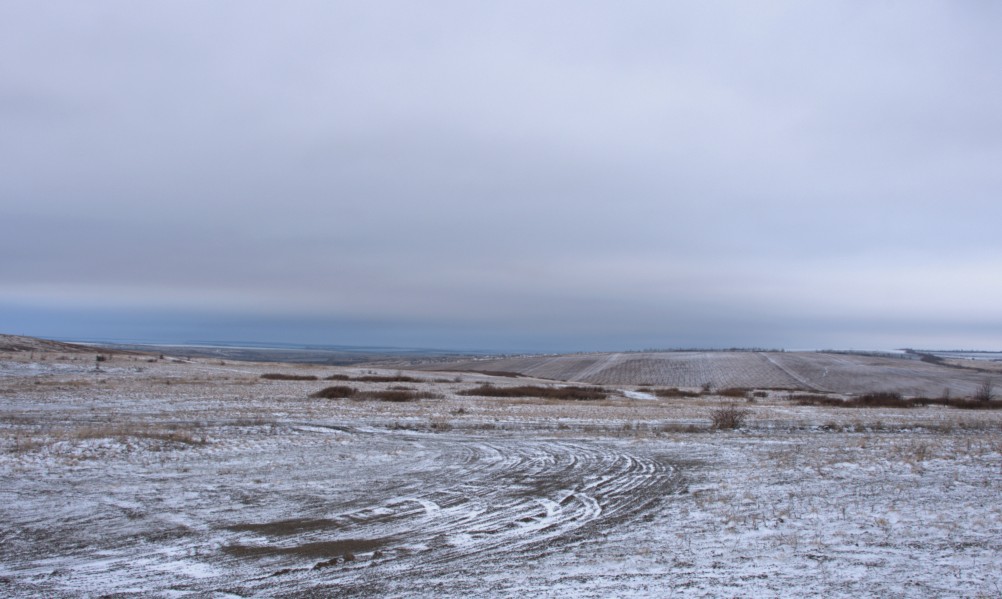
{"x": 805, "y": 371}
{"x": 166, "y": 477}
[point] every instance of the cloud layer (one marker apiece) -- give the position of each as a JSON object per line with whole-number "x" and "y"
{"x": 565, "y": 175}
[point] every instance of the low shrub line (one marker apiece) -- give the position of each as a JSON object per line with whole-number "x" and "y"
{"x": 392, "y": 395}
{"x": 571, "y": 393}
{"x": 372, "y": 378}
{"x": 886, "y": 399}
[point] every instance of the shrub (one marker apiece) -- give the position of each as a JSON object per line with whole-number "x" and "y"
{"x": 574, "y": 393}
{"x": 337, "y": 377}
{"x": 674, "y": 392}
{"x": 733, "y": 392}
{"x": 396, "y": 378}
{"x": 728, "y": 417}
{"x": 277, "y": 376}
{"x": 880, "y": 399}
{"x": 808, "y": 399}
{"x": 986, "y": 390}
{"x": 976, "y": 404}
{"x": 335, "y": 392}
{"x": 395, "y": 395}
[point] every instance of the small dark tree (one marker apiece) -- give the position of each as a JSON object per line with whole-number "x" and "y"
{"x": 986, "y": 390}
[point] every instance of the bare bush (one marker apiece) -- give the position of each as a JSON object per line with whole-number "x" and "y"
{"x": 335, "y": 392}
{"x": 892, "y": 400}
{"x": 396, "y": 378}
{"x": 985, "y": 391}
{"x": 673, "y": 392}
{"x": 880, "y": 399}
{"x": 728, "y": 417}
{"x": 375, "y": 378}
{"x": 278, "y": 376}
{"x": 395, "y": 395}
{"x": 573, "y": 393}
{"x": 975, "y": 404}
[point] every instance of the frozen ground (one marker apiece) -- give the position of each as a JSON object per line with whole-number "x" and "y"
{"x": 199, "y": 478}
{"x": 808, "y": 371}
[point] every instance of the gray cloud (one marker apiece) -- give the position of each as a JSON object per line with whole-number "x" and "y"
{"x": 519, "y": 175}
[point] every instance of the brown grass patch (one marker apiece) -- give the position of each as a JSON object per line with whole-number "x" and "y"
{"x": 278, "y": 376}
{"x": 395, "y": 395}
{"x": 567, "y": 393}
{"x": 892, "y": 400}
{"x": 675, "y": 392}
{"x": 335, "y": 392}
{"x": 139, "y": 431}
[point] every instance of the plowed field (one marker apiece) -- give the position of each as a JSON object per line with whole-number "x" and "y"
{"x": 807, "y": 371}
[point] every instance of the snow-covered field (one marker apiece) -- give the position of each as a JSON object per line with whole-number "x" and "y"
{"x": 168, "y": 478}
{"x": 804, "y": 370}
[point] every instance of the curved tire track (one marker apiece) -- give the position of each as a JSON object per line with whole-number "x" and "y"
{"x": 514, "y": 498}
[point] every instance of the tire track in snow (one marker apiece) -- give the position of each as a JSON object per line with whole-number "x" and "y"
{"x": 516, "y": 498}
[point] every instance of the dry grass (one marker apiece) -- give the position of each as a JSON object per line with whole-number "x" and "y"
{"x": 392, "y": 395}
{"x": 567, "y": 393}
{"x": 892, "y": 400}
{"x": 277, "y": 376}
{"x": 124, "y": 432}
{"x": 335, "y": 392}
{"x": 675, "y": 392}
{"x": 395, "y": 395}
{"x": 375, "y": 378}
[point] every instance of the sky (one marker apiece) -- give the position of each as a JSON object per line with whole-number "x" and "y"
{"x": 509, "y": 176}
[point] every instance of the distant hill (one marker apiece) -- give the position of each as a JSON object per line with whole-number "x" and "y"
{"x": 18, "y": 343}
{"x": 795, "y": 371}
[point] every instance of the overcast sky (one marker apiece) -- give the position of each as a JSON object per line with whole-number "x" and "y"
{"x": 503, "y": 175}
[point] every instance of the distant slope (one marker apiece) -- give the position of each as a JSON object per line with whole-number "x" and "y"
{"x": 18, "y": 343}
{"x": 806, "y": 371}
